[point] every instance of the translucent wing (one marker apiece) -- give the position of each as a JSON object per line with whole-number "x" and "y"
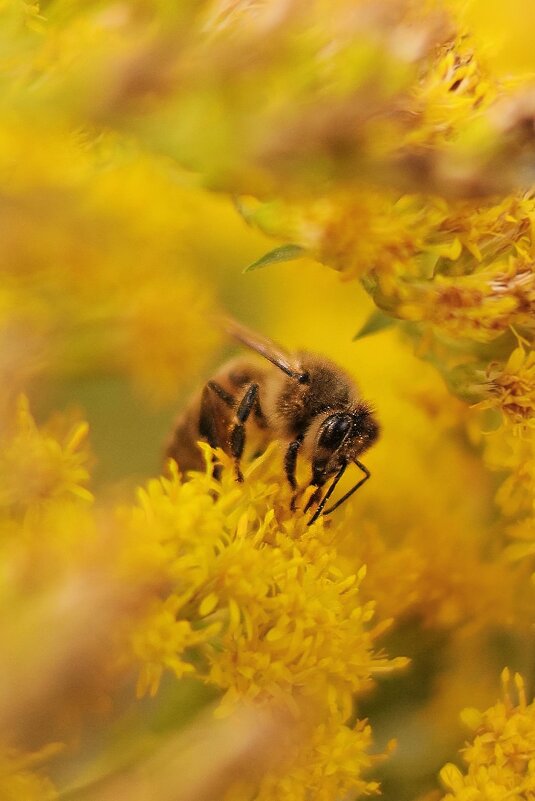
{"x": 265, "y": 347}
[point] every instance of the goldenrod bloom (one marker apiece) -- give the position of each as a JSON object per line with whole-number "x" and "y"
{"x": 501, "y": 758}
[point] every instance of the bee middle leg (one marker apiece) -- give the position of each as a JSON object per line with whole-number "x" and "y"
{"x": 207, "y": 419}
{"x": 290, "y": 464}
{"x": 237, "y": 434}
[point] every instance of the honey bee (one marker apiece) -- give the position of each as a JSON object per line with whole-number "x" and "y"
{"x": 303, "y": 400}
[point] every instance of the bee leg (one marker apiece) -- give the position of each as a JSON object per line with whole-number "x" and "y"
{"x": 327, "y": 495}
{"x": 290, "y": 463}
{"x": 237, "y": 435}
{"x": 344, "y": 498}
{"x": 314, "y": 498}
{"x": 207, "y": 425}
{"x": 319, "y": 479}
{"x": 225, "y": 396}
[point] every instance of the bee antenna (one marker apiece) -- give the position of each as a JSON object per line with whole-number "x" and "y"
{"x": 270, "y": 350}
{"x": 348, "y": 494}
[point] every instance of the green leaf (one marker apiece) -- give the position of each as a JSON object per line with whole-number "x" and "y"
{"x": 375, "y": 322}
{"x": 283, "y": 253}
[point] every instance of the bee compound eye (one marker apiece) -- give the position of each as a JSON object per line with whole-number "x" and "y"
{"x": 334, "y": 430}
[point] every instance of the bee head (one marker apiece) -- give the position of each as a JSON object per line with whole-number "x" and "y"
{"x": 341, "y": 438}
{"x": 365, "y": 430}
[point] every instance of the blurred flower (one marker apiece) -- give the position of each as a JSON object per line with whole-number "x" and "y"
{"x": 332, "y": 761}
{"x": 242, "y": 748}
{"x": 20, "y": 779}
{"x": 501, "y": 757}
{"x": 97, "y": 279}
{"x": 38, "y": 469}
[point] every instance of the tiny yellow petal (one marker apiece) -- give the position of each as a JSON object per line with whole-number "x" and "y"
{"x": 471, "y": 718}
{"x": 79, "y": 434}
{"x": 451, "y": 777}
{"x": 208, "y": 604}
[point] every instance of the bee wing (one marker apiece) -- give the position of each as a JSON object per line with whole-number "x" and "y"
{"x": 265, "y": 347}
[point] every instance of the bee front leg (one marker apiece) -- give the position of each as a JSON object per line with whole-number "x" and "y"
{"x": 314, "y": 498}
{"x": 319, "y": 478}
{"x": 342, "y": 500}
{"x": 327, "y": 495}
{"x": 237, "y": 435}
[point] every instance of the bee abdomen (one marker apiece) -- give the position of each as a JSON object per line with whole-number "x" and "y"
{"x": 210, "y": 416}
{"x": 182, "y": 446}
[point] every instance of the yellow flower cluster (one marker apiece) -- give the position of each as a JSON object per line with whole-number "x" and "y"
{"x": 38, "y": 469}
{"x": 510, "y": 446}
{"x": 268, "y": 606}
{"x": 331, "y": 765}
{"x": 511, "y": 387}
{"x": 257, "y": 604}
{"x": 42, "y": 485}
{"x": 501, "y": 757}
{"x": 97, "y": 278}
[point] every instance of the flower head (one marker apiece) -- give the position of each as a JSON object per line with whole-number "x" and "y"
{"x": 512, "y": 387}
{"x": 37, "y": 468}
{"x": 501, "y": 758}
{"x": 260, "y": 606}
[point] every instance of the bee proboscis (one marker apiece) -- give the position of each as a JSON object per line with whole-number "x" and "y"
{"x": 304, "y": 400}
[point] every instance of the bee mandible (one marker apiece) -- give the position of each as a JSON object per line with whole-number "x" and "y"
{"x": 304, "y": 400}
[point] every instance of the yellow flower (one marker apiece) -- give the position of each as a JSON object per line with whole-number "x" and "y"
{"x": 330, "y": 763}
{"x": 165, "y": 639}
{"x": 260, "y": 606}
{"x": 454, "y": 89}
{"x": 96, "y": 270}
{"x": 20, "y": 779}
{"x": 412, "y": 580}
{"x": 37, "y": 468}
{"x": 512, "y": 387}
{"x": 523, "y": 532}
{"x": 169, "y": 328}
{"x": 512, "y": 448}
{"x": 501, "y": 758}
{"x": 475, "y": 306}
{"x": 290, "y": 616}
{"x": 355, "y": 232}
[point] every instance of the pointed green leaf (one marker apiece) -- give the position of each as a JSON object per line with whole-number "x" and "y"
{"x": 375, "y": 322}
{"x": 283, "y": 253}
